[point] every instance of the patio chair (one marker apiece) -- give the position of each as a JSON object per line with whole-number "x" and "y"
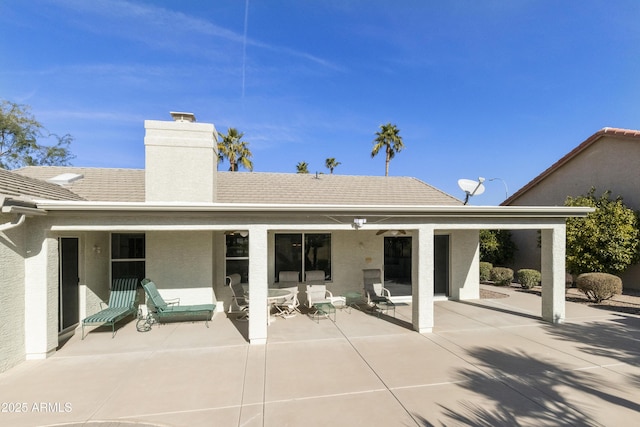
{"x": 289, "y": 307}
{"x": 288, "y": 279}
{"x": 378, "y": 296}
{"x": 319, "y": 298}
{"x": 314, "y": 277}
{"x": 317, "y": 277}
{"x": 164, "y": 312}
{"x": 239, "y": 302}
{"x": 121, "y": 304}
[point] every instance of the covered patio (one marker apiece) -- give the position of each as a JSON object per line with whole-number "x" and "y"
{"x": 487, "y": 362}
{"x": 180, "y": 236}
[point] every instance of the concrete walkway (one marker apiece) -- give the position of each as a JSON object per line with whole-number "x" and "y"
{"x": 487, "y": 363}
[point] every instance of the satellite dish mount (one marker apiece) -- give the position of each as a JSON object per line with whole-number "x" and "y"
{"x": 471, "y": 187}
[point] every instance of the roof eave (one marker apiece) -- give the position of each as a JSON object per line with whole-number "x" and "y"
{"x": 396, "y": 210}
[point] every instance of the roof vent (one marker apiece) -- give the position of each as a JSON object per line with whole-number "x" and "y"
{"x": 183, "y": 117}
{"x": 65, "y": 178}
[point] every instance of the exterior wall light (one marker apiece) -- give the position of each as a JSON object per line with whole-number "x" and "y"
{"x": 359, "y": 222}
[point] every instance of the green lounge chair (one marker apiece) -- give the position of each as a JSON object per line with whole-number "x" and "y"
{"x": 121, "y": 304}
{"x": 164, "y": 312}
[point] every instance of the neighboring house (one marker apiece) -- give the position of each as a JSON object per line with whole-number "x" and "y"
{"x": 607, "y": 160}
{"x": 66, "y": 232}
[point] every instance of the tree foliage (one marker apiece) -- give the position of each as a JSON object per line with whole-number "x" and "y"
{"x": 20, "y": 133}
{"x": 331, "y": 164}
{"x": 389, "y": 139}
{"x": 606, "y": 240}
{"x": 302, "y": 167}
{"x": 496, "y": 247}
{"x": 234, "y": 149}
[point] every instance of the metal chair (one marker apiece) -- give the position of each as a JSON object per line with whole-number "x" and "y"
{"x": 378, "y": 297}
{"x": 288, "y": 279}
{"x": 319, "y": 298}
{"x": 239, "y": 302}
{"x": 289, "y": 307}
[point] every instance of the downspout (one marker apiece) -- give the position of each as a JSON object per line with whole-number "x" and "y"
{"x": 21, "y": 208}
{"x": 10, "y": 225}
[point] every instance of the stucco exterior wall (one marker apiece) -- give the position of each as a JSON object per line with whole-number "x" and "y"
{"x": 181, "y": 264}
{"x": 354, "y": 251}
{"x": 95, "y": 261}
{"x": 610, "y": 163}
{"x": 12, "y": 301}
{"x": 465, "y": 264}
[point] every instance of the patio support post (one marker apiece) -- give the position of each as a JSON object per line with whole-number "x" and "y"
{"x": 258, "y": 284}
{"x": 423, "y": 283}
{"x": 41, "y": 296}
{"x": 553, "y": 273}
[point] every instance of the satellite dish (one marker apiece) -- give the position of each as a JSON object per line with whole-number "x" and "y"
{"x": 471, "y": 187}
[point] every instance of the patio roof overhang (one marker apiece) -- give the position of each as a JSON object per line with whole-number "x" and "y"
{"x": 458, "y": 211}
{"x": 106, "y": 216}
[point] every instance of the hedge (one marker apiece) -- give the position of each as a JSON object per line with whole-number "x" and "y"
{"x": 485, "y": 271}
{"x": 599, "y": 286}
{"x": 501, "y": 276}
{"x": 528, "y": 278}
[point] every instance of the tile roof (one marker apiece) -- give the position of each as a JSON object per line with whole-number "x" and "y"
{"x": 16, "y": 185}
{"x": 333, "y": 189}
{"x": 98, "y": 184}
{"x": 127, "y": 185}
{"x": 607, "y": 131}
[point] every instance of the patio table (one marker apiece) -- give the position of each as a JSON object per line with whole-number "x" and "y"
{"x": 274, "y": 296}
{"x": 352, "y": 299}
{"x": 324, "y": 309}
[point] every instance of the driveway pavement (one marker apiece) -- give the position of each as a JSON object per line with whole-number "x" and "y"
{"x": 489, "y": 362}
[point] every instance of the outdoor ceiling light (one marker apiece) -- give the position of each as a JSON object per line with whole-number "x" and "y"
{"x": 359, "y": 222}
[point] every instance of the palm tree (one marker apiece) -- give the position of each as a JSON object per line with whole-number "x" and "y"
{"x": 235, "y": 150}
{"x": 302, "y": 167}
{"x": 331, "y": 164}
{"x": 389, "y": 138}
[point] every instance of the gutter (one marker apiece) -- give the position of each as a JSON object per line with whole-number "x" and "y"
{"x": 21, "y": 208}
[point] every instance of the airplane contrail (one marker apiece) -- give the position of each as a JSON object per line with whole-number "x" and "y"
{"x": 244, "y": 45}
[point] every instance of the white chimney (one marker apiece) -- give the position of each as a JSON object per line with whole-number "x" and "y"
{"x": 180, "y": 160}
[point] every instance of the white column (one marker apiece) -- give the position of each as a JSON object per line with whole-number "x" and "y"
{"x": 423, "y": 283}
{"x": 258, "y": 284}
{"x": 41, "y": 297}
{"x": 553, "y": 273}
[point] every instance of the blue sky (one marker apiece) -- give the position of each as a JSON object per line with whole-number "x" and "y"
{"x": 477, "y": 88}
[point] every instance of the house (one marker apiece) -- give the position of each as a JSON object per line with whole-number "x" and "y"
{"x": 607, "y": 160}
{"x": 66, "y": 232}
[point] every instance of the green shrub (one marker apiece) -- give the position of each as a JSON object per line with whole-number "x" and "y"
{"x": 485, "y": 271}
{"x": 607, "y": 240}
{"x": 501, "y": 276}
{"x": 599, "y": 286}
{"x": 528, "y": 278}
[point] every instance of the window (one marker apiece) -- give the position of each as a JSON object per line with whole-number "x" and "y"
{"x": 237, "y": 255}
{"x": 303, "y": 252}
{"x": 127, "y": 256}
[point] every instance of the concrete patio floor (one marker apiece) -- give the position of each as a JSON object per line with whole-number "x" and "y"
{"x": 487, "y": 363}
